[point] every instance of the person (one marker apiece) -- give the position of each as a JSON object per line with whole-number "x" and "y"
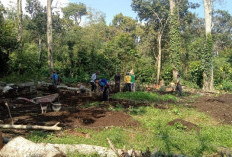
{"x": 104, "y": 88}
{"x": 93, "y": 80}
{"x": 102, "y": 83}
{"x": 117, "y": 79}
{"x": 54, "y": 78}
{"x": 132, "y": 81}
{"x": 178, "y": 85}
{"x": 127, "y": 80}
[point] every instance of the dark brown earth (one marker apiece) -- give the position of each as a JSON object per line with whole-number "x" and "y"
{"x": 73, "y": 114}
{"x": 189, "y": 126}
{"x": 218, "y": 107}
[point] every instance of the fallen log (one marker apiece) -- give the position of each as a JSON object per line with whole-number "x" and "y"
{"x": 62, "y": 86}
{"x": 27, "y": 127}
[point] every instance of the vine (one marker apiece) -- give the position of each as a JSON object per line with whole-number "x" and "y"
{"x": 207, "y": 55}
{"x": 175, "y": 41}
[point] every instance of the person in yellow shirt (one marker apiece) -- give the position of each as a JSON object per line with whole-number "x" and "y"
{"x": 127, "y": 80}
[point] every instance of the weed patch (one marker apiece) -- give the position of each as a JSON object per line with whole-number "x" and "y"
{"x": 145, "y": 96}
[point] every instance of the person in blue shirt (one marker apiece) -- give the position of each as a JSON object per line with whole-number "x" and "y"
{"x": 54, "y": 78}
{"x": 104, "y": 88}
{"x": 102, "y": 83}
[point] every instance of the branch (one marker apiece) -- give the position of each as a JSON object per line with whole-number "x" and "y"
{"x": 12, "y": 122}
{"x": 112, "y": 147}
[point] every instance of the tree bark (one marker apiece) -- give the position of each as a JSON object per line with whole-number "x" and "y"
{"x": 159, "y": 57}
{"x": 49, "y": 35}
{"x": 27, "y": 127}
{"x": 19, "y": 14}
{"x": 208, "y": 16}
{"x": 208, "y": 79}
{"x": 40, "y": 49}
{"x": 172, "y": 13}
{"x": 172, "y": 6}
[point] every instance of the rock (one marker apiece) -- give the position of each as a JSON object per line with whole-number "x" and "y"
{"x": 21, "y": 147}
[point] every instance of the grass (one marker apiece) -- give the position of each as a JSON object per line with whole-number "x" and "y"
{"x": 145, "y": 96}
{"x": 154, "y": 131}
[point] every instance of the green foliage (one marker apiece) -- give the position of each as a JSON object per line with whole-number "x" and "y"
{"x": 195, "y": 73}
{"x": 175, "y": 41}
{"x": 75, "y": 11}
{"x": 226, "y": 85}
{"x": 117, "y": 107}
{"x": 207, "y": 55}
{"x": 222, "y": 70}
{"x": 166, "y": 73}
{"x": 39, "y": 136}
{"x": 144, "y": 96}
{"x": 137, "y": 110}
{"x": 81, "y": 155}
{"x": 180, "y": 126}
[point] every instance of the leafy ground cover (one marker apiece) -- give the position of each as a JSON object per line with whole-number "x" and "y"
{"x": 145, "y": 96}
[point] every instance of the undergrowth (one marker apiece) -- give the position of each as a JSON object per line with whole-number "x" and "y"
{"x": 145, "y": 96}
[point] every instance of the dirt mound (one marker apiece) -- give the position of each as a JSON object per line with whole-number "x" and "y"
{"x": 185, "y": 124}
{"x": 218, "y": 107}
{"x": 91, "y": 117}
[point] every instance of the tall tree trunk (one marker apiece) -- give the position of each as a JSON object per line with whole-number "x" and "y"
{"x": 208, "y": 81}
{"x": 172, "y": 6}
{"x": 20, "y": 27}
{"x": 172, "y": 13}
{"x": 159, "y": 57}
{"x": 49, "y": 34}
{"x": 40, "y": 49}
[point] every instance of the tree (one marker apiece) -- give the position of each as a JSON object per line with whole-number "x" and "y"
{"x": 95, "y": 17}
{"x": 222, "y": 30}
{"x": 49, "y": 35}
{"x": 37, "y": 25}
{"x": 33, "y": 7}
{"x": 75, "y": 11}
{"x": 8, "y": 41}
{"x": 155, "y": 13}
{"x": 20, "y": 26}
{"x": 124, "y": 23}
{"x": 175, "y": 39}
{"x": 207, "y": 58}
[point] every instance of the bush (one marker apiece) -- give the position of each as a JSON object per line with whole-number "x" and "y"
{"x": 195, "y": 73}
{"x": 226, "y": 85}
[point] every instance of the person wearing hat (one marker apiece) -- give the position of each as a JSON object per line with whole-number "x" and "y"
{"x": 178, "y": 85}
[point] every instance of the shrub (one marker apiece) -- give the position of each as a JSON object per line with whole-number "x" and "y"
{"x": 226, "y": 85}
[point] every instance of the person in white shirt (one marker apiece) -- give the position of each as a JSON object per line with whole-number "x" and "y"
{"x": 93, "y": 79}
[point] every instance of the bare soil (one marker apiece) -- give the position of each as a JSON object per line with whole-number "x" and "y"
{"x": 72, "y": 115}
{"x": 189, "y": 126}
{"x": 218, "y": 107}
